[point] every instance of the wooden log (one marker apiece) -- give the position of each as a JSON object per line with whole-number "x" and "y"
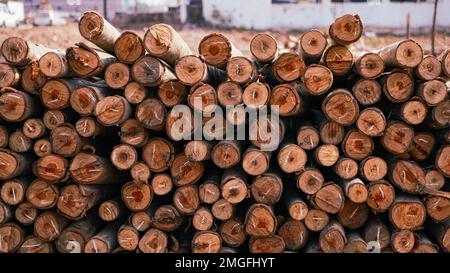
{"x": 229, "y": 93}
{"x": 192, "y": 70}
{"x": 152, "y": 114}
{"x": 443, "y": 159}
{"x": 123, "y": 156}
{"x": 353, "y": 215}
{"x": 291, "y": 158}
{"x": 355, "y": 190}
{"x": 185, "y": 172}
{"x": 42, "y": 195}
{"x": 105, "y": 240}
{"x": 326, "y": 155}
{"x": 422, "y": 145}
{"x": 308, "y": 138}
{"x": 317, "y": 79}
{"x": 261, "y": 137}
{"x": 260, "y": 220}
{"x": 19, "y": 52}
{"x": 407, "y": 213}
{"x": 376, "y": 234}
{"x": 84, "y": 99}
{"x": 151, "y": 72}
{"x": 85, "y": 61}
{"x": 128, "y": 237}
{"x": 287, "y": 67}
{"x": 206, "y": 242}
{"x": 12, "y": 236}
{"x": 202, "y": 219}
{"x": 264, "y": 48}
{"x": 316, "y": 220}
{"x": 256, "y": 94}
{"x": 423, "y": 244}
{"x": 66, "y": 141}
{"x": 226, "y": 154}
{"x": 330, "y": 198}
{"x": 407, "y": 175}
{"x": 20, "y": 143}
{"x": 32, "y": 244}
{"x": 55, "y": 65}
{"x": 295, "y": 203}
{"x": 25, "y": 213}
{"x": 74, "y": 237}
{"x": 428, "y": 69}
{"x": 135, "y": 93}
{"x": 167, "y": 218}
{"x": 186, "y": 199}
{"x": 232, "y": 232}
{"x": 111, "y": 210}
{"x": 332, "y": 238}
{"x": 17, "y": 106}
{"x": 402, "y": 241}
{"x": 355, "y": 244}
{"x": 172, "y": 93}
{"x": 234, "y": 186}
{"x": 373, "y": 168}
{"x": 217, "y": 50}
{"x": 5, "y": 213}
{"x": 438, "y": 208}
{"x": 294, "y": 234}
{"x": 4, "y": 137}
{"x": 94, "y": 28}
{"x": 129, "y": 47}
{"x": 198, "y": 150}
{"x": 140, "y": 172}
{"x": 371, "y": 122}
{"x": 112, "y": 110}
{"x": 287, "y": 99}
{"x": 310, "y": 180}
{"x": 412, "y": 112}
{"x": 133, "y": 133}
{"x": 88, "y": 127}
{"x": 241, "y": 70}
{"x": 444, "y": 58}
{"x": 346, "y": 168}
{"x": 366, "y": 91}
{"x": 434, "y": 180}
{"x": 42, "y": 147}
{"x": 368, "y": 65}
{"x": 137, "y": 196}
{"x": 32, "y": 78}
{"x": 49, "y": 225}
{"x": 357, "y": 145}
{"x": 117, "y": 75}
{"x": 397, "y": 138}
{"x": 341, "y": 107}
{"x": 162, "y": 184}
{"x": 311, "y": 45}
{"x": 159, "y": 154}
{"x": 346, "y": 29}
{"x": 438, "y": 117}
{"x": 432, "y": 92}
{"x": 84, "y": 196}
{"x": 331, "y": 132}
{"x": 52, "y": 168}
{"x": 13, "y": 164}
{"x": 339, "y": 59}
{"x": 153, "y": 241}
{"x": 86, "y": 168}
{"x": 9, "y": 76}
{"x": 398, "y": 86}
{"x": 203, "y": 98}
{"x": 34, "y": 128}
{"x": 55, "y": 118}
{"x": 267, "y": 188}
{"x": 269, "y": 244}
{"x": 404, "y": 54}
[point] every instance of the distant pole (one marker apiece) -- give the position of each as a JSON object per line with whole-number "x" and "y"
{"x": 105, "y": 8}
{"x": 407, "y": 25}
{"x": 433, "y": 29}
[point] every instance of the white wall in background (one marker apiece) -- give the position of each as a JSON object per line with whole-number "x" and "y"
{"x": 262, "y": 14}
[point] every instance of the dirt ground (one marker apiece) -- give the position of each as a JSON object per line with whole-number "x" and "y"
{"x": 65, "y": 36}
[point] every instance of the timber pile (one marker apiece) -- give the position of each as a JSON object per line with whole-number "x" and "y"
{"x": 88, "y": 162}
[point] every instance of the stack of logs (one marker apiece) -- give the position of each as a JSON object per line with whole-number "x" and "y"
{"x": 88, "y": 162}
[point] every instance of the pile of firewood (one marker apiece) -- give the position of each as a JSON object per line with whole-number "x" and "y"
{"x": 89, "y": 160}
